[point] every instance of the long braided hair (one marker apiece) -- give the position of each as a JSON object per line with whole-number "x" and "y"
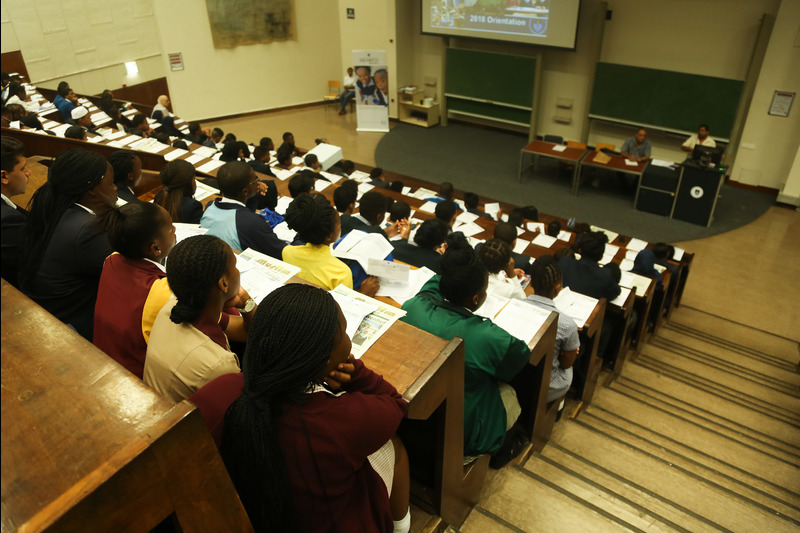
{"x": 290, "y": 341}
{"x": 463, "y": 276}
{"x": 545, "y": 276}
{"x": 495, "y": 255}
{"x": 312, "y": 217}
{"x": 72, "y": 173}
{"x": 194, "y": 267}
{"x": 177, "y": 177}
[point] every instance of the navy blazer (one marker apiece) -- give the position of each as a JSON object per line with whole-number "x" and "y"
{"x": 587, "y": 277}
{"x": 13, "y": 221}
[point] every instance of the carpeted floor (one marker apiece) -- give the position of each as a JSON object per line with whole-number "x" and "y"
{"x": 487, "y": 163}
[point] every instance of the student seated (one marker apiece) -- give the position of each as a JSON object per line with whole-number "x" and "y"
{"x": 140, "y": 126}
{"x": 127, "y": 173}
{"x": 180, "y": 144}
{"x": 446, "y": 192}
{"x": 15, "y": 112}
{"x": 177, "y": 196}
{"x": 371, "y": 212}
{"x": 554, "y": 228}
{"x": 284, "y": 157}
{"x": 471, "y": 203}
{"x": 232, "y": 151}
{"x": 398, "y": 211}
{"x": 65, "y": 102}
{"x": 345, "y": 197}
{"x": 214, "y": 139}
{"x": 80, "y": 117}
{"x": 312, "y": 162}
{"x": 260, "y": 161}
{"x": 428, "y": 246}
{"x": 508, "y": 233}
{"x": 196, "y": 134}
{"x": 162, "y": 104}
{"x": 301, "y": 183}
{"x": 291, "y": 445}
{"x": 317, "y": 224}
{"x": 288, "y": 144}
{"x": 492, "y": 357}
{"x": 229, "y": 219}
{"x": 663, "y": 253}
{"x": 447, "y": 212}
{"x": 585, "y": 275}
{"x": 188, "y": 345}
{"x": 504, "y": 279}
{"x": 267, "y": 143}
{"x": 75, "y": 132}
{"x": 133, "y": 286}
{"x": 14, "y": 173}
{"x": 19, "y": 95}
{"x": 547, "y": 282}
{"x": 377, "y": 178}
{"x": 118, "y": 120}
{"x": 63, "y": 245}
{"x": 644, "y": 265}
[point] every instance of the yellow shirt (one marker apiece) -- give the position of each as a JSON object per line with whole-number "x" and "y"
{"x": 318, "y": 266}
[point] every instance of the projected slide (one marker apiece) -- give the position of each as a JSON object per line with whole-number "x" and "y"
{"x": 496, "y": 16}
{"x": 542, "y": 22}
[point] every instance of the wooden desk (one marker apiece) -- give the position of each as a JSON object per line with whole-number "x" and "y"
{"x": 86, "y": 445}
{"x": 617, "y": 164}
{"x": 538, "y": 149}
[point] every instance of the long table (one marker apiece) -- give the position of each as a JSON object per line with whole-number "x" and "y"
{"x": 560, "y": 152}
{"x": 617, "y": 163}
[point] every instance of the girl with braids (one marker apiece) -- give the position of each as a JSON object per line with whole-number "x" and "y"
{"x": 317, "y": 224}
{"x": 504, "y": 279}
{"x": 127, "y": 173}
{"x": 63, "y": 245}
{"x": 177, "y": 196}
{"x": 492, "y": 357}
{"x": 133, "y": 286}
{"x": 304, "y": 458}
{"x": 547, "y": 282}
{"x": 188, "y": 345}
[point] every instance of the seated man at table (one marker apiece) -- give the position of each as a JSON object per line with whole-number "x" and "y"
{"x": 80, "y": 115}
{"x": 229, "y": 218}
{"x": 636, "y": 148}
{"x": 161, "y": 105}
{"x": 701, "y": 137}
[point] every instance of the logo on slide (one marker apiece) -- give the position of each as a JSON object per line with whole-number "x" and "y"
{"x": 538, "y": 26}
{"x": 696, "y": 192}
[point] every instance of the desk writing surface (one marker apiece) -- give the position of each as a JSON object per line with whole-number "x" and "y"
{"x": 617, "y": 163}
{"x": 546, "y": 148}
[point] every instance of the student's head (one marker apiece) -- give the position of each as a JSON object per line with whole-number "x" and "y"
{"x": 554, "y": 228}
{"x": 180, "y": 144}
{"x": 140, "y": 230}
{"x": 349, "y": 71}
{"x": 217, "y": 135}
{"x": 195, "y": 130}
{"x": 516, "y": 217}
{"x": 373, "y": 207}
{"x": 300, "y": 183}
{"x": 200, "y": 268}
{"x": 127, "y": 168}
{"x": 703, "y": 131}
{"x": 471, "y": 200}
{"x": 16, "y": 89}
{"x": 641, "y": 135}
{"x": 158, "y": 116}
{"x": 80, "y": 115}
{"x": 284, "y": 156}
{"x": 261, "y": 153}
{"x": 75, "y": 132}
{"x": 237, "y": 180}
{"x": 363, "y": 74}
{"x": 592, "y": 246}
{"x": 495, "y": 255}
{"x": 399, "y": 211}
{"x": 663, "y": 251}
{"x": 297, "y": 336}
{"x": 464, "y": 279}
{"x": 376, "y": 174}
{"x": 76, "y": 176}
{"x": 505, "y": 232}
{"x": 229, "y": 138}
{"x": 288, "y": 138}
{"x": 14, "y": 171}
{"x": 63, "y": 89}
{"x": 163, "y": 100}
{"x": 139, "y": 120}
{"x": 314, "y": 219}
{"x": 381, "y": 78}
{"x": 348, "y": 167}
{"x": 431, "y": 234}
{"x": 345, "y": 196}
{"x": 446, "y": 190}
{"x": 529, "y": 212}
{"x": 231, "y": 152}
{"x": 312, "y": 161}
{"x": 446, "y": 211}
{"x": 162, "y": 137}
{"x": 71, "y": 96}
{"x": 267, "y": 143}
{"x": 546, "y": 277}
{"x": 178, "y": 180}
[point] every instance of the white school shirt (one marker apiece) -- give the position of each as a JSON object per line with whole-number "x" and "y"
{"x": 693, "y": 140}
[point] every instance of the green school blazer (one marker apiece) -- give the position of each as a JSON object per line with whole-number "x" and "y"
{"x": 490, "y": 355}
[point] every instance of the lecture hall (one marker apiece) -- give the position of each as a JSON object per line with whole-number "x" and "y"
{"x": 537, "y": 260}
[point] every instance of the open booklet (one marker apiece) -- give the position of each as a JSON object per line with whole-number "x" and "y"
{"x": 370, "y": 317}
{"x": 577, "y": 306}
{"x": 362, "y": 246}
{"x": 262, "y": 274}
{"x": 519, "y": 319}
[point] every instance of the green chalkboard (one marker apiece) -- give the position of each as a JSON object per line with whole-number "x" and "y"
{"x": 487, "y": 76}
{"x": 672, "y": 100}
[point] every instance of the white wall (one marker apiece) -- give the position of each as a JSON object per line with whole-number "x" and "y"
{"x": 769, "y": 143}
{"x": 221, "y": 82}
{"x": 86, "y": 43}
{"x": 373, "y": 28}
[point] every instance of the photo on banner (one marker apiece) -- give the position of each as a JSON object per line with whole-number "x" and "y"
{"x": 372, "y": 90}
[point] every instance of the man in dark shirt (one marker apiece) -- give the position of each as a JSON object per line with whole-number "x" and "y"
{"x": 585, "y": 275}
{"x": 14, "y": 174}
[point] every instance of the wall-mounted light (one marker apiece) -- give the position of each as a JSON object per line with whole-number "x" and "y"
{"x": 131, "y": 68}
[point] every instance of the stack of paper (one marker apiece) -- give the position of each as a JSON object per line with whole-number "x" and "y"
{"x": 195, "y": 158}
{"x": 210, "y": 166}
{"x": 360, "y": 176}
{"x": 638, "y": 283}
{"x": 371, "y": 326}
{"x": 559, "y": 147}
{"x": 577, "y": 306}
{"x": 564, "y": 235}
{"x": 204, "y": 151}
{"x": 492, "y": 209}
{"x": 183, "y": 231}
{"x": 678, "y": 255}
{"x": 204, "y": 191}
